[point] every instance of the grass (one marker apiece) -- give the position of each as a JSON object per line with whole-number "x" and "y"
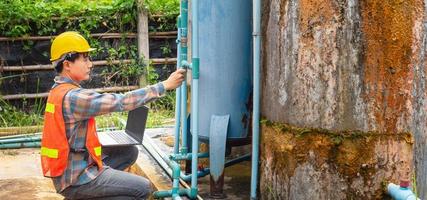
{"x": 160, "y": 118}
{"x": 11, "y": 116}
{"x": 155, "y": 119}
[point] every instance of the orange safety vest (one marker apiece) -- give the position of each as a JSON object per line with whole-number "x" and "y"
{"x": 55, "y": 146}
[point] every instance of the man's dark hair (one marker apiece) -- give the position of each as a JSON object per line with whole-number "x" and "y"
{"x": 70, "y": 57}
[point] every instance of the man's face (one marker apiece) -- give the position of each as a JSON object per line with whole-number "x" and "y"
{"x": 79, "y": 70}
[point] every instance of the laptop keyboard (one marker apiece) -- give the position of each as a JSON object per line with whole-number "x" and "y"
{"x": 120, "y": 137}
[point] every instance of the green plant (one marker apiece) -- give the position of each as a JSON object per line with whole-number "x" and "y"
{"x": 11, "y": 116}
{"x": 163, "y": 13}
{"x": 156, "y": 118}
{"x": 21, "y": 18}
{"x": 166, "y": 49}
{"x": 123, "y": 73}
{"x": 112, "y": 120}
{"x": 166, "y": 102}
{"x": 159, "y": 118}
{"x": 167, "y": 8}
{"x": 49, "y": 17}
{"x": 27, "y": 46}
{"x": 39, "y": 103}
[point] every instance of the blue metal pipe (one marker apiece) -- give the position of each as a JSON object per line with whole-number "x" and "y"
{"x": 256, "y": 95}
{"x": 20, "y": 145}
{"x": 178, "y": 94}
{"x": 229, "y": 163}
{"x": 167, "y": 164}
{"x": 194, "y": 96}
{"x": 185, "y": 64}
{"x": 184, "y": 147}
{"x": 237, "y": 160}
{"x": 21, "y": 140}
{"x": 26, "y": 140}
{"x": 206, "y": 171}
{"x": 168, "y": 193}
{"x": 400, "y": 193}
{"x": 200, "y": 174}
{"x": 188, "y": 156}
{"x": 37, "y": 136}
{"x": 172, "y": 168}
{"x": 183, "y": 57}
{"x": 176, "y": 197}
{"x": 175, "y": 189}
{"x": 20, "y": 136}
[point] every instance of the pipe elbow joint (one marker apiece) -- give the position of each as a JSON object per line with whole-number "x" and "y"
{"x": 185, "y": 64}
{"x": 400, "y": 193}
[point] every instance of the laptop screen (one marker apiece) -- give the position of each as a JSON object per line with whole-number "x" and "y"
{"x": 136, "y": 121}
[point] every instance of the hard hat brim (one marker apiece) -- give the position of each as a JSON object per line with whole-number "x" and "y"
{"x": 89, "y": 50}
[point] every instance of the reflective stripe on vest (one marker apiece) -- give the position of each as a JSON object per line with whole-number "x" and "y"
{"x": 50, "y": 108}
{"x": 98, "y": 151}
{"x": 50, "y": 153}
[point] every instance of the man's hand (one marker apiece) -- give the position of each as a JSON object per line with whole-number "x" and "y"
{"x": 174, "y": 80}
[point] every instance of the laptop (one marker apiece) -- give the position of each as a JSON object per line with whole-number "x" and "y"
{"x": 132, "y": 135}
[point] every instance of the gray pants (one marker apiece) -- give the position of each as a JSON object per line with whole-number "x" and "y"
{"x": 113, "y": 183}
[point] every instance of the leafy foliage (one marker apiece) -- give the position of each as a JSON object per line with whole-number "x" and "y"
{"x": 163, "y": 13}
{"x": 49, "y": 17}
{"x": 11, "y": 116}
{"x": 167, "y": 102}
{"x": 155, "y": 119}
{"x": 123, "y": 73}
{"x": 168, "y": 8}
{"x": 20, "y": 18}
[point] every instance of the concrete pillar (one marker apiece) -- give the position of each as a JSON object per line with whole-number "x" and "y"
{"x": 344, "y": 84}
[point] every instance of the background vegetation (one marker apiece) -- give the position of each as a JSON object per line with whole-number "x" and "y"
{"x": 23, "y": 18}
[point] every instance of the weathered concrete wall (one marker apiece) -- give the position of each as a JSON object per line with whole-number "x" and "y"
{"x": 301, "y": 163}
{"x": 347, "y": 65}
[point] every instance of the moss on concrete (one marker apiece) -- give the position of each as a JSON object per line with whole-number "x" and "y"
{"x": 351, "y": 153}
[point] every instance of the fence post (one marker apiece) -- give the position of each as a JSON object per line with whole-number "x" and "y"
{"x": 143, "y": 40}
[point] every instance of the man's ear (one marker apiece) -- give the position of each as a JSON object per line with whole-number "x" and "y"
{"x": 66, "y": 66}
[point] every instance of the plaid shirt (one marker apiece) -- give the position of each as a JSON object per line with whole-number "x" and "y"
{"x": 81, "y": 104}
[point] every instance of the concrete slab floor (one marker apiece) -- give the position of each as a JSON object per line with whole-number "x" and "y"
{"x": 237, "y": 178}
{"x": 21, "y": 178}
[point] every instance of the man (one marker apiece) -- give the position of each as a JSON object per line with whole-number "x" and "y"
{"x": 71, "y": 153}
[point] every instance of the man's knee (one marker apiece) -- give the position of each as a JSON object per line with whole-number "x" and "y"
{"x": 133, "y": 154}
{"x": 144, "y": 189}
{"x": 130, "y": 153}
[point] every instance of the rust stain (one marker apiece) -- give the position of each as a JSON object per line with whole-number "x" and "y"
{"x": 388, "y": 38}
{"x": 351, "y": 153}
{"x": 313, "y": 13}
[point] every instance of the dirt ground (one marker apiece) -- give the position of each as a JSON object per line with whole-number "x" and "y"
{"x": 21, "y": 177}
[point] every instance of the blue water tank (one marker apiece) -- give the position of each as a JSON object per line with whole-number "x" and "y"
{"x": 225, "y": 82}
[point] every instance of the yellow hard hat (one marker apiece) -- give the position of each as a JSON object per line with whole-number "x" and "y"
{"x": 67, "y": 42}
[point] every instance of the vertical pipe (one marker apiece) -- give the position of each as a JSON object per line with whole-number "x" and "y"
{"x": 178, "y": 94}
{"x": 175, "y": 189}
{"x": 184, "y": 147}
{"x": 183, "y": 57}
{"x": 256, "y": 95}
{"x": 195, "y": 95}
